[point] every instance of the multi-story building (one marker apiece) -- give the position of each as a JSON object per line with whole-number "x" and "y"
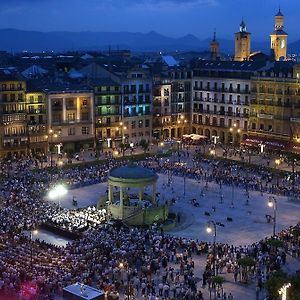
{"x": 181, "y": 94}
{"x": 221, "y": 99}
{"x": 136, "y": 105}
{"x": 36, "y": 110}
{"x": 71, "y": 116}
{"x": 108, "y": 112}
{"x": 161, "y": 108}
{"x": 275, "y": 106}
{"x": 13, "y": 129}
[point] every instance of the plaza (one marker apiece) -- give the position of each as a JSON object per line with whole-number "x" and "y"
{"x": 248, "y": 225}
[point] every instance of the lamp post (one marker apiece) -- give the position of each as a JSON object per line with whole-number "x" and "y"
{"x": 283, "y": 291}
{"x": 125, "y": 267}
{"x": 272, "y": 203}
{"x": 57, "y": 193}
{"x": 212, "y": 227}
{"x": 234, "y": 129}
{"x": 51, "y": 135}
{"x": 277, "y": 163}
{"x": 232, "y": 190}
{"x": 32, "y": 233}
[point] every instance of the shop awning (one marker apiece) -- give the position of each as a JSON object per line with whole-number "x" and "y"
{"x": 269, "y": 143}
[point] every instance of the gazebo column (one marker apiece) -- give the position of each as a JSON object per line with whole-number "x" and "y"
{"x": 121, "y": 202}
{"x": 154, "y": 194}
{"x": 110, "y": 194}
{"x": 141, "y": 192}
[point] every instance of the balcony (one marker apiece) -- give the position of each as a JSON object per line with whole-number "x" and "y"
{"x": 36, "y": 111}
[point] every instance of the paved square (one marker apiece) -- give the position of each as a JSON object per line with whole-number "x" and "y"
{"x": 248, "y": 224}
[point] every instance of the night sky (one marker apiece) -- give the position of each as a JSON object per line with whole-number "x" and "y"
{"x": 170, "y": 17}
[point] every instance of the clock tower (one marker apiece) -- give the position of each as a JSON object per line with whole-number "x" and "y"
{"x": 279, "y": 38}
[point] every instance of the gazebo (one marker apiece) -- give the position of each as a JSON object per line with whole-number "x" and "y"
{"x": 137, "y": 209}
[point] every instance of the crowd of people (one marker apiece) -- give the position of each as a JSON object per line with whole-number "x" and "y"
{"x": 136, "y": 262}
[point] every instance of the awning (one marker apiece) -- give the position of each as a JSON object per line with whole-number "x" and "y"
{"x": 269, "y": 143}
{"x": 294, "y": 147}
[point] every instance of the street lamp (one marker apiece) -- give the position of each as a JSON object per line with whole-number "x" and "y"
{"x": 51, "y": 135}
{"x": 272, "y": 203}
{"x": 212, "y": 228}
{"x": 277, "y": 163}
{"x": 57, "y": 193}
{"x": 125, "y": 266}
{"x": 233, "y": 130}
{"x": 32, "y": 233}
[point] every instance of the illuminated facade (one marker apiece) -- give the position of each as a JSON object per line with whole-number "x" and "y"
{"x": 108, "y": 112}
{"x": 13, "y": 130}
{"x": 221, "y": 99}
{"x": 214, "y": 48}
{"x": 275, "y": 105}
{"x": 161, "y": 108}
{"x": 279, "y": 38}
{"x": 242, "y": 43}
{"x": 71, "y": 116}
{"x": 36, "y": 109}
{"x": 181, "y": 94}
{"x": 136, "y": 106}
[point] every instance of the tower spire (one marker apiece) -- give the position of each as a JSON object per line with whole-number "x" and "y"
{"x": 214, "y": 35}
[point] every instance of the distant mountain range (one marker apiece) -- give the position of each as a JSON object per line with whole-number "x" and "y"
{"x": 19, "y": 40}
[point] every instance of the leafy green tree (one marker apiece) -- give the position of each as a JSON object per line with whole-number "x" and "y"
{"x": 246, "y": 263}
{"x": 275, "y": 282}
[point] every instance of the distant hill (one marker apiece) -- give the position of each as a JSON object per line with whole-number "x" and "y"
{"x": 19, "y": 40}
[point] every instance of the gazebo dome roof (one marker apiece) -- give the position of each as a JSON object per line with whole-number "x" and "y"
{"x": 133, "y": 172}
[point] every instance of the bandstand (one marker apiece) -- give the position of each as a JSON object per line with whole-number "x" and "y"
{"x": 134, "y": 208}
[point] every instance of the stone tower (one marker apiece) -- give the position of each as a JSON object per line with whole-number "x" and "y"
{"x": 242, "y": 43}
{"x": 214, "y": 48}
{"x": 279, "y": 38}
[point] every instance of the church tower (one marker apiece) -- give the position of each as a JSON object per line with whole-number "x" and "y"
{"x": 214, "y": 48}
{"x": 242, "y": 43}
{"x": 279, "y": 38}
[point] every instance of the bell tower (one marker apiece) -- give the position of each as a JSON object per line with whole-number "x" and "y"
{"x": 279, "y": 38}
{"x": 242, "y": 43}
{"x": 214, "y": 48}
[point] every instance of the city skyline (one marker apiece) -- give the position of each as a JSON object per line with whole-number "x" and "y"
{"x": 172, "y": 18}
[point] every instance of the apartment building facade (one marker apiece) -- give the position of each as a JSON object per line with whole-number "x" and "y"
{"x": 13, "y": 129}
{"x": 275, "y": 108}
{"x": 161, "y": 112}
{"x": 136, "y": 106}
{"x": 108, "y": 112}
{"x": 71, "y": 122}
{"x": 221, "y": 100}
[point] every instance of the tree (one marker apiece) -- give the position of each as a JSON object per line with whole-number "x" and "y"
{"x": 144, "y": 144}
{"x": 275, "y": 282}
{"x": 246, "y": 263}
{"x": 275, "y": 243}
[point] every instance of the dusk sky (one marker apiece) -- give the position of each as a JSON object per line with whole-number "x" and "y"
{"x": 170, "y": 17}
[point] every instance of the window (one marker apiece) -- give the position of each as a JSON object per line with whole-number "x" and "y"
{"x": 71, "y": 131}
{"x": 140, "y": 123}
{"x": 147, "y": 123}
{"x": 85, "y": 130}
{"x": 133, "y": 124}
{"x": 71, "y": 117}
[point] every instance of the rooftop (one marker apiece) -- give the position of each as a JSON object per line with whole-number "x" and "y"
{"x": 132, "y": 172}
